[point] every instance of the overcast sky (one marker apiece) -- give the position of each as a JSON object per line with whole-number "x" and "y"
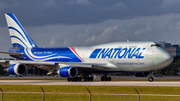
{"x": 61, "y": 23}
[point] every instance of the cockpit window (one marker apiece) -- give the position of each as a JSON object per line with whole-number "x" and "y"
{"x": 155, "y": 45}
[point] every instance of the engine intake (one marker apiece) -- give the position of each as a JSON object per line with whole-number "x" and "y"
{"x": 68, "y": 72}
{"x": 17, "y": 69}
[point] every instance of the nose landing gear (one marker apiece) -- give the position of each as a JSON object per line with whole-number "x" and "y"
{"x": 150, "y": 78}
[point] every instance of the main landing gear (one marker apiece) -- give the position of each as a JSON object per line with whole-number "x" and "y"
{"x": 150, "y": 78}
{"x": 105, "y": 78}
{"x": 74, "y": 79}
{"x": 85, "y": 78}
{"x": 88, "y": 78}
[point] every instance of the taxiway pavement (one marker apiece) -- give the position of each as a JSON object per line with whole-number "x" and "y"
{"x": 94, "y": 83}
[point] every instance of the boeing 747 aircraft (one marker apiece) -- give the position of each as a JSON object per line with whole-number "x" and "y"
{"x": 77, "y": 63}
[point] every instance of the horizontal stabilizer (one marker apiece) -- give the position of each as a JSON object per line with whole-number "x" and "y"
{"x": 11, "y": 53}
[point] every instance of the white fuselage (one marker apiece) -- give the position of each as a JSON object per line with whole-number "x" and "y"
{"x": 127, "y": 56}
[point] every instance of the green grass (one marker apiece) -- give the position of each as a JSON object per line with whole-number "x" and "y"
{"x": 22, "y": 97}
{"x": 52, "y": 97}
{"x": 85, "y": 97}
{"x": 93, "y": 89}
{"x": 159, "y": 98}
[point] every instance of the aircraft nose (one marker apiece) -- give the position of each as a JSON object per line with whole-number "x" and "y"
{"x": 164, "y": 60}
{"x": 169, "y": 58}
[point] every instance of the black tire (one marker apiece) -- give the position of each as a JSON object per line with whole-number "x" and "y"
{"x": 76, "y": 79}
{"x": 102, "y": 78}
{"x": 91, "y": 78}
{"x": 72, "y": 79}
{"x": 68, "y": 79}
{"x": 109, "y": 78}
{"x": 84, "y": 78}
{"x": 87, "y": 78}
{"x": 80, "y": 78}
{"x": 150, "y": 79}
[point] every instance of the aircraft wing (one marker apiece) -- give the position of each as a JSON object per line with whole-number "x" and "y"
{"x": 18, "y": 66}
{"x": 51, "y": 65}
{"x": 11, "y": 53}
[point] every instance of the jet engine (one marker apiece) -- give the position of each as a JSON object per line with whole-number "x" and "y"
{"x": 17, "y": 69}
{"x": 68, "y": 72}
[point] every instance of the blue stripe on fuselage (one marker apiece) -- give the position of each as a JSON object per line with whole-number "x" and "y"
{"x": 95, "y": 53}
{"x": 47, "y": 54}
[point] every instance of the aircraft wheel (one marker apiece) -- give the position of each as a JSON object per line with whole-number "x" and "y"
{"x": 87, "y": 78}
{"x": 91, "y": 78}
{"x": 84, "y": 78}
{"x": 79, "y": 78}
{"x": 102, "y": 78}
{"x": 109, "y": 78}
{"x": 68, "y": 79}
{"x": 150, "y": 79}
{"x": 76, "y": 79}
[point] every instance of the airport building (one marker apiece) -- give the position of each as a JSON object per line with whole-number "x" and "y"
{"x": 174, "y": 50}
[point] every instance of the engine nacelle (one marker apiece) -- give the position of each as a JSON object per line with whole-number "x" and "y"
{"x": 68, "y": 71}
{"x": 17, "y": 69}
{"x": 142, "y": 74}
